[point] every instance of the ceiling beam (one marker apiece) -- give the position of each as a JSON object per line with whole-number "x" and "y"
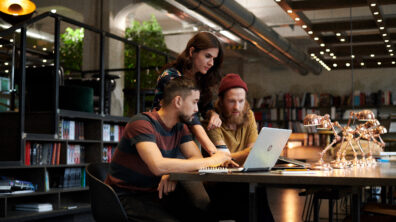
{"x": 358, "y": 50}
{"x": 346, "y": 25}
{"x": 356, "y": 38}
{"x": 309, "y": 5}
{"x": 364, "y": 63}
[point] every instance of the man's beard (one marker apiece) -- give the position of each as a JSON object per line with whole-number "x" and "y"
{"x": 238, "y": 120}
{"x": 186, "y": 118}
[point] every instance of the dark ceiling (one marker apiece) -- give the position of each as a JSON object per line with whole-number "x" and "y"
{"x": 348, "y": 41}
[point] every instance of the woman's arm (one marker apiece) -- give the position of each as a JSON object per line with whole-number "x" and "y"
{"x": 214, "y": 120}
{"x": 199, "y": 132}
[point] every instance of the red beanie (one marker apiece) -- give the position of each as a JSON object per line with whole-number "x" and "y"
{"x": 232, "y": 80}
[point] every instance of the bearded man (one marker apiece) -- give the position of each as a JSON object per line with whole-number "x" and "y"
{"x": 239, "y": 130}
{"x": 238, "y": 133}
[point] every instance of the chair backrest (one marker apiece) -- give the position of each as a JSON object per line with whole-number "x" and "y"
{"x": 104, "y": 201}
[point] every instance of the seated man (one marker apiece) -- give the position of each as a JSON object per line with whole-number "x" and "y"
{"x": 238, "y": 133}
{"x": 147, "y": 153}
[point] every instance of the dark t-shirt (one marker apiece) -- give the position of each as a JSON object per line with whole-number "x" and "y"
{"x": 127, "y": 170}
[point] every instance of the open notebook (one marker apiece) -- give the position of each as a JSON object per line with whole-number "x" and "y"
{"x": 264, "y": 154}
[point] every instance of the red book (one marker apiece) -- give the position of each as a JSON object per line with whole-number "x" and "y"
{"x": 53, "y": 153}
{"x": 58, "y": 154}
{"x": 27, "y": 153}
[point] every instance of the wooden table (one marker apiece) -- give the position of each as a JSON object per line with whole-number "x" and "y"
{"x": 354, "y": 178}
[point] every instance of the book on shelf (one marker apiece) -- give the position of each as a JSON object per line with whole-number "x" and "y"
{"x": 74, "y": 153}
{"x": 41, "y": 153}
{"x": 107, "y": 153}
{"x": 71, "y": 129}
{"x": 36, "y": 207}
{"x": 73, "y": 177}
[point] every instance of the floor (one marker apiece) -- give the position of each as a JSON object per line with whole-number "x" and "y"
{"x": 286, "y": 204}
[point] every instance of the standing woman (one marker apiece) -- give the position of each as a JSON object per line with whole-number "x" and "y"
{"x": 200, "y": 61}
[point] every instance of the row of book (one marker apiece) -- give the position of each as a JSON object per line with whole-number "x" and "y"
{"x": 107, "y": 154}
{"x": 325, "y": 100}
{"x": 71, "y": 130}
{"x": 295, "y": 126}
{"x": 112, "y": 132}
{"x": 75, "y": 154}
{"x": 71, "y": 177}
{"x": 283, "y": 114}
{"x": 42, "y": 153}
{"x": 53, "y": 154}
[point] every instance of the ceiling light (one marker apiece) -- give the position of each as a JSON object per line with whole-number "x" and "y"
{"x": 352, "y": 56}
{"x": 321, "y": 52}
{"x": 289, "y": 11}
{"x": 372, "y": 55}
{"x": 388, "y": 46}
{"x": 386, "y": 40}
{"x": 347, "y": 64}
{"x": 44, "y": 49}
{"x": 373, "y": 4}
{"x": 277, "y": 0}
{"x": 391, "y": 54}
{"x": 53, "y": 11}
{"x": 379, "y": 63}
{"x": 362, "y": 63}
{"x": 376, "y": 13}
{"x": 334, "y": 57}
{"x": 297, "y": 19}
{"x": 316, "y": 38}
{"x": 338, "y": 34}
{"x": 327, "y": 50}
{"x": 312, "y": 54}
{"x": 304, "y": 26}
{"x": 382, "y": 27}
{"x": 322, "y": 45}
{"x": 390, "y": 50}
{"x": 342, "y": 40}
{"x": 384, "y": 34}
{"x": 335, "y": 65}
{"x": 393, "y": 62}
{"x": 331, "y": 54}
{"x": 44, "y": 60}
{"x": 379, "y": 20}
{"x": 6, "y": 63}
{"x": 6, "y": 71}
{"x": 310, "y": 32}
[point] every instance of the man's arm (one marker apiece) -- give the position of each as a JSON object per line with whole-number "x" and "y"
{"x": 159, "y": 165}
{"x": 238, "y": 157}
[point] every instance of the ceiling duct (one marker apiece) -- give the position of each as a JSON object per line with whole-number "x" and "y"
{"x": 235, "y": 18}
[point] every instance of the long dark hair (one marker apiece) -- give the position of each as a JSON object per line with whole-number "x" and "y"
{"x": 205, "y": 82}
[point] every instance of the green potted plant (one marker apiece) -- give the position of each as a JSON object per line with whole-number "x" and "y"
{"x": 71, "y": 49}
{"x": 148, "y": 33}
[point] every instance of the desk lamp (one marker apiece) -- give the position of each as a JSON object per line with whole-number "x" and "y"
{"x": 323, "y": 122}
{"x": 349, "y": 136}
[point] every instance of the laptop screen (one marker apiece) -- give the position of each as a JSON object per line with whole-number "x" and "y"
{"x": 267, "y": 148}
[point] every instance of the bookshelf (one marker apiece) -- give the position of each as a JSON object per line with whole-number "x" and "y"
{"x": 49, "y": 176}
{"x": 288, "y": 111}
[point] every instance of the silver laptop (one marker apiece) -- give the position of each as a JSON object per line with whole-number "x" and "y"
{"x": 267, "y": 149}
{"x": 264, "y": 154}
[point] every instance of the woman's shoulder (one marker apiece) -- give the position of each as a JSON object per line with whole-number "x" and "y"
{"x": 170, "y": 73}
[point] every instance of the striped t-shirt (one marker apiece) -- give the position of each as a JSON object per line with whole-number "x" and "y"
{"x": 127, "y": 169}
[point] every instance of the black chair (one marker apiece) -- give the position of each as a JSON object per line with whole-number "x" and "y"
{"x": 104, "y": 201}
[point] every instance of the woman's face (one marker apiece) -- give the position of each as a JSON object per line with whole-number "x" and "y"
{"x": 204, "y": 59}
